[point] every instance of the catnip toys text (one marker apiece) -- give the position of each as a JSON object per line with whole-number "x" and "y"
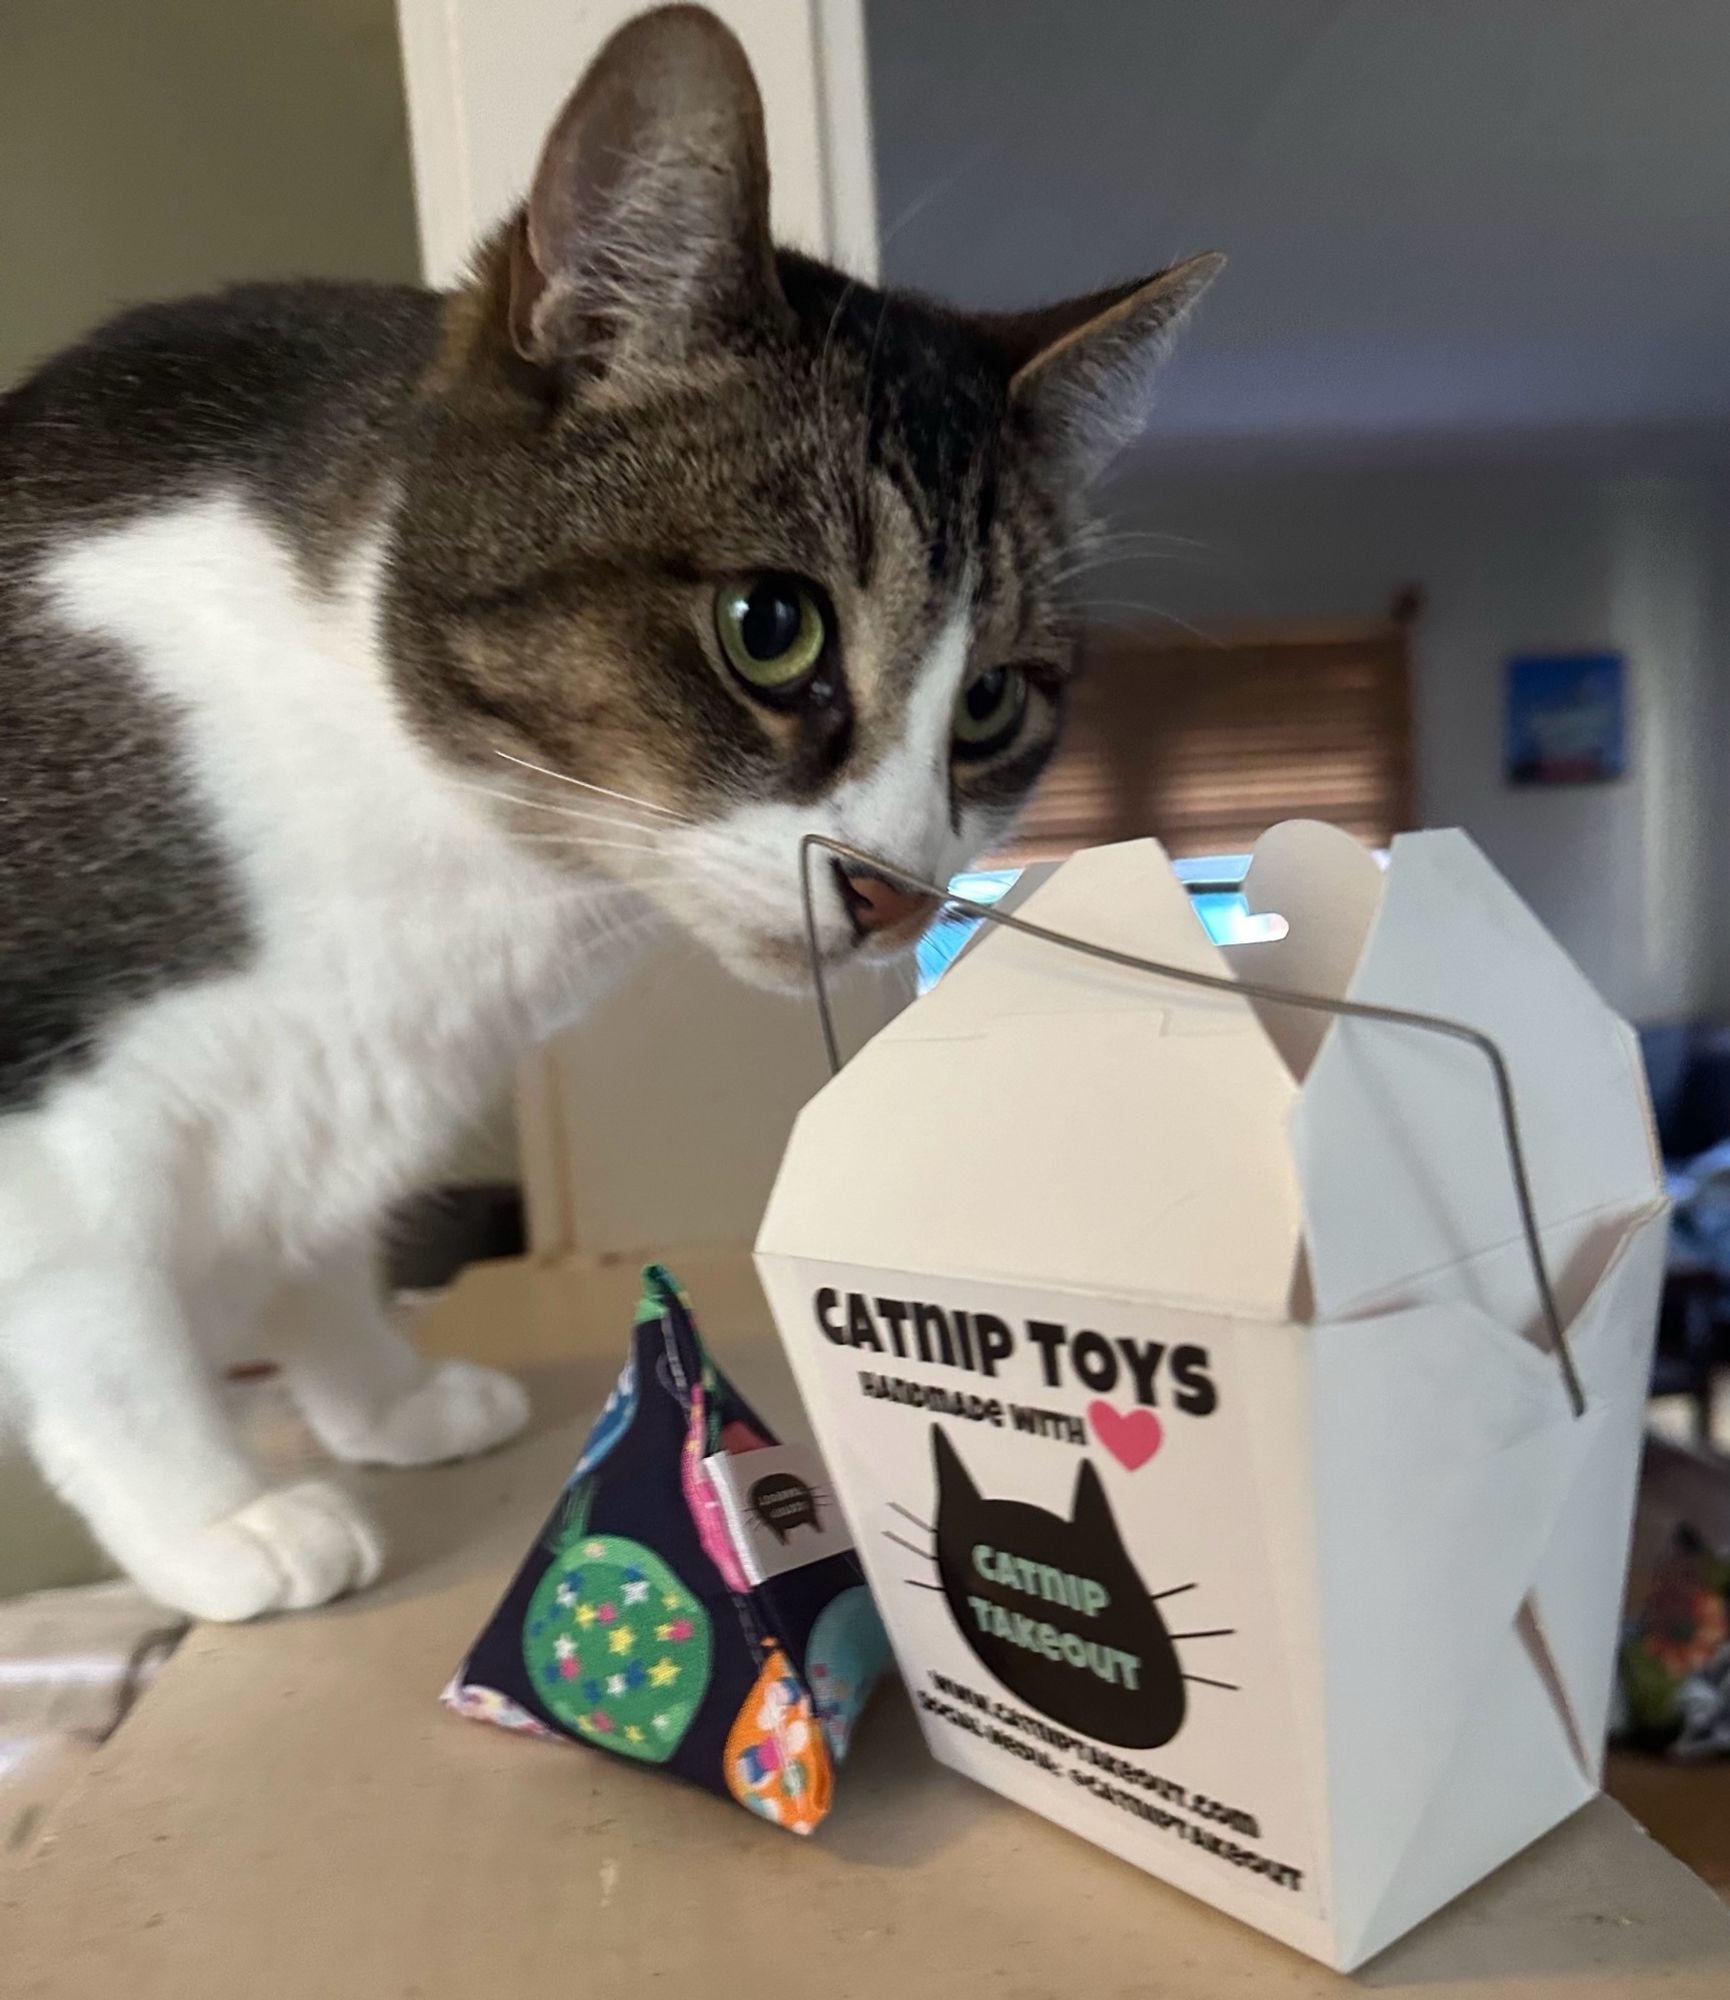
{"x": 1125, "y": 1365}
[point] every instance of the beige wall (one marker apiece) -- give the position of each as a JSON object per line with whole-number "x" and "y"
{"x": 155, "y": 147}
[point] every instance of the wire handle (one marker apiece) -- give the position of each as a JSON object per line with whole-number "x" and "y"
{"x": 1243, "y": 989}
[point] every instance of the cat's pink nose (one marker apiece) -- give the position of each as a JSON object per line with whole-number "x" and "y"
{"x": 882, "y": 909}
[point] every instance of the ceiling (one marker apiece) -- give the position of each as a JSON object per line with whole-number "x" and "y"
{"x": 1444, "y": 217}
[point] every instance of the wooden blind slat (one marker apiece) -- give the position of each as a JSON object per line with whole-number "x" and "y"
{"x": 1206, "y": 743}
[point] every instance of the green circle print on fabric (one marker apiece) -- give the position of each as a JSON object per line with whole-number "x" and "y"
{"x": 617, "y": 1647}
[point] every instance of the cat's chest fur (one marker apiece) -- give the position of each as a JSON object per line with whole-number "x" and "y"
{"x": 402, "y": 950}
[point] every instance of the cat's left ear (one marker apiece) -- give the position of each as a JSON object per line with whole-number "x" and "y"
{"x": 646, "y": 230}
{"x": 1090, "y": 1511}
{"x": 1085, "y": 369}
{"x": 954, "y": 1482}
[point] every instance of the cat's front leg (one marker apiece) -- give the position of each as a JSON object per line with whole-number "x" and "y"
{"x": 368, "y": 1395}
{"x": 120, "y": 1413}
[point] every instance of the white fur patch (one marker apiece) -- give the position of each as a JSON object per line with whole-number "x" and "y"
{"x": 407, "y": 949}
{"x": 236, "y": 1140}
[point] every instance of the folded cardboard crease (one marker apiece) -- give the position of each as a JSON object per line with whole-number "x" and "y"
{"x": 1407, "y": 1549}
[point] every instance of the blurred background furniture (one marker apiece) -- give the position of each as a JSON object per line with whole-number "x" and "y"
{"x": 1688, "y": 1065}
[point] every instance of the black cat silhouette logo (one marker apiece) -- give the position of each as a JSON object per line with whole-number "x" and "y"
{"x": 782, "y": 1502}
{"x": 1056, "y": 1610}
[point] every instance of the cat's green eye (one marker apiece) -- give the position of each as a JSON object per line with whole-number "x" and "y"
{"x": 773, "y": 630}
{"x": 988, "y": 712}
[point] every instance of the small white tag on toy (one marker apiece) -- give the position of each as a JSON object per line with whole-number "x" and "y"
{"x": 780, "y": 1507}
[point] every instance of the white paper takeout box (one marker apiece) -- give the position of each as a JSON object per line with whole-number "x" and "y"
{"x": 1263, "y": 1275}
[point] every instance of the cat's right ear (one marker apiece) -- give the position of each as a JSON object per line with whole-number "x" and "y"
{"x": 1085, "y": 369}
{"x": 646, "y": 231}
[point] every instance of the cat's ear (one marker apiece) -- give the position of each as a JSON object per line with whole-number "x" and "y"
{"x": 646, "y": 230}
{"x": 954, "y": 1482}
{"x": 1090, "y": 1511}
{"x": 1085, "y": 369}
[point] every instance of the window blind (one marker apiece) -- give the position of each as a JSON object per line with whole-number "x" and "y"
{"x": 1206, "y": 741}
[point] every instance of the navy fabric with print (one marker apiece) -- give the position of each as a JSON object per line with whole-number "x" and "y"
{"x": 633, "y": 1625}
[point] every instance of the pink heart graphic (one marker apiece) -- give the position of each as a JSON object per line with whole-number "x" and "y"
{"x": 1131, "y": 1436}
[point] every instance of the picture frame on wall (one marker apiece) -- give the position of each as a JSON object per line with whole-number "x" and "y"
{"x": 1565, "y": 719}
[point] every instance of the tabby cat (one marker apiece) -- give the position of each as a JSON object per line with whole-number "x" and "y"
{"x": 377, "y": 665}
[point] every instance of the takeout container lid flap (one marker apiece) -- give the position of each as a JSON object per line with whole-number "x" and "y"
{"x": 1048, "y": 1118}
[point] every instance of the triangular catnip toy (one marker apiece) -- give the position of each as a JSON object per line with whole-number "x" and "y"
{"x": 694, "y": 1600}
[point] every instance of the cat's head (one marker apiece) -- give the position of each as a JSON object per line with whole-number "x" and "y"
{"x": 757, "y": 549}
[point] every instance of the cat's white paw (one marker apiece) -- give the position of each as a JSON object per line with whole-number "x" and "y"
{"x": 291, "y": 1548}
{"x": 458, "y": 1410}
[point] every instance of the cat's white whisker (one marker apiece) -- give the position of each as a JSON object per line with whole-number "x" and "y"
{"x": 602, "y": 825}
{"x": 563, "y": 839}
{"x": 1115, "y": 538}
{"x": 583, "y": 815}
{"x": 1147, "y": 610}
{"x": 1110, "y": 559}
{"x": 944, "y": 185}
{"x": 1114, "y": 550}
{"x": 579, "y": 845}
{"x": 601, "y": 791}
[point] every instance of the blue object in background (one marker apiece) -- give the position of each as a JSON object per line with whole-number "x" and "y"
{"x": 1566, "y": 718}
{"x": 941, "y": 945}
